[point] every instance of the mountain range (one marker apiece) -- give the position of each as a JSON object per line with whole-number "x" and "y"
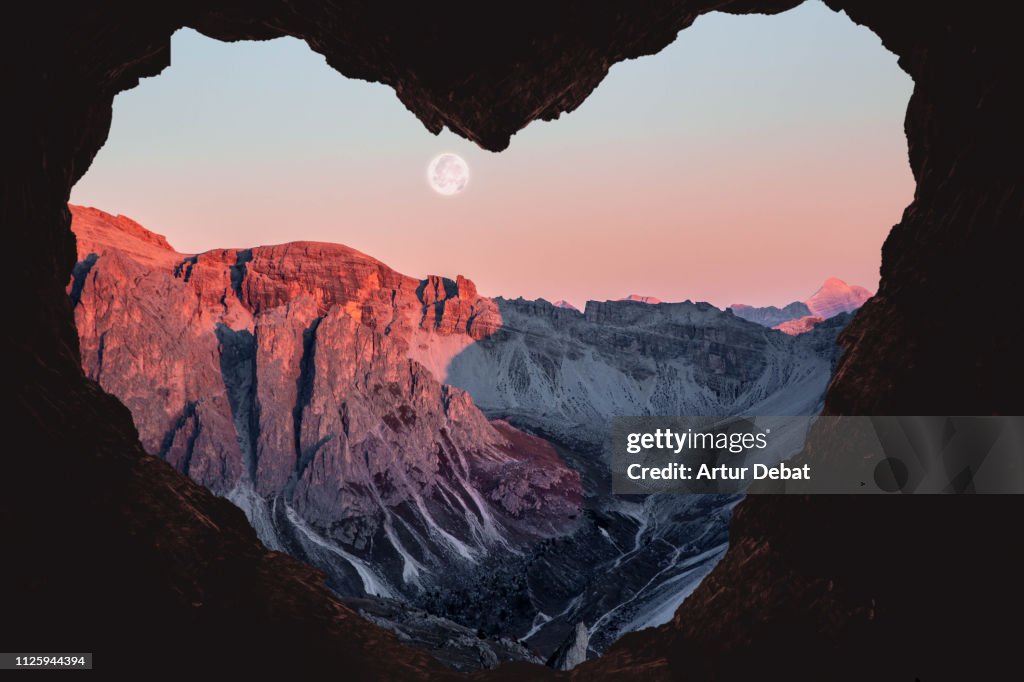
{"x": 428, "y": 447}
{"x": 834, "y": 297}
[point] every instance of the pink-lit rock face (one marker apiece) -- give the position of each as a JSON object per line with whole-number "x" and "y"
{"x": 800, "y": 325}
{"x": 284, "y": 377}
{"x": 565, "y": 305}
{"x": 96, "y": 230}
{"x": 836, "y": 296}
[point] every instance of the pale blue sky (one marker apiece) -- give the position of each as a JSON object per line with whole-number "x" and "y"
{"x": 752, "y": 158}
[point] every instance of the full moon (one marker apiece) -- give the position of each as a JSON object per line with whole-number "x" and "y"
{"x": 448, "y": 174}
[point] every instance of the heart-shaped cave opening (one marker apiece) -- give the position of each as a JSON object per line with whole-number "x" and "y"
{"x": 437, "y": 444}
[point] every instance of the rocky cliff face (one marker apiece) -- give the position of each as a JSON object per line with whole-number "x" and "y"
{"x": 282, "y": 378}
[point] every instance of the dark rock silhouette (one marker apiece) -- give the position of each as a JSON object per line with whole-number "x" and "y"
{"x": 145, "y": 565}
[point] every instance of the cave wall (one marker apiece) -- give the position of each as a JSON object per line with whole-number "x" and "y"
{"x": 96, "y": 526}
{"x": 939, "y": 337}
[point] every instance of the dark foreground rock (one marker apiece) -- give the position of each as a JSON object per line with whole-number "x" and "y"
{"x": 93, "y": 525}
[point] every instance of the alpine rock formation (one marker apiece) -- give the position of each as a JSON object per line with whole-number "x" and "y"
{"x": 429, "y": 448}
{"x": 284, "y": 378}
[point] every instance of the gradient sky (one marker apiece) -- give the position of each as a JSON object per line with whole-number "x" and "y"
{"x": 747, "y": 162}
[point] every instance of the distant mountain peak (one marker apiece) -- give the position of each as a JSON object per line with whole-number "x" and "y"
{"x": 642, "y": 299}
{"x": 833, "y": 297}
{"x": 562, "y": 303}
{"x": 836, "y": 296}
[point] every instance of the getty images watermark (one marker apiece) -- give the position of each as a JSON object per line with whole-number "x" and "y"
{"x": 809, "y": 455}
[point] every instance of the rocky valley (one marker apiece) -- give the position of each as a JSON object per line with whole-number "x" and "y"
{"x": 426, "y": 446}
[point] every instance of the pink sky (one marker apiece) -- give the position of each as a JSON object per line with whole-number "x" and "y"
{"x": 779, "y": 163}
